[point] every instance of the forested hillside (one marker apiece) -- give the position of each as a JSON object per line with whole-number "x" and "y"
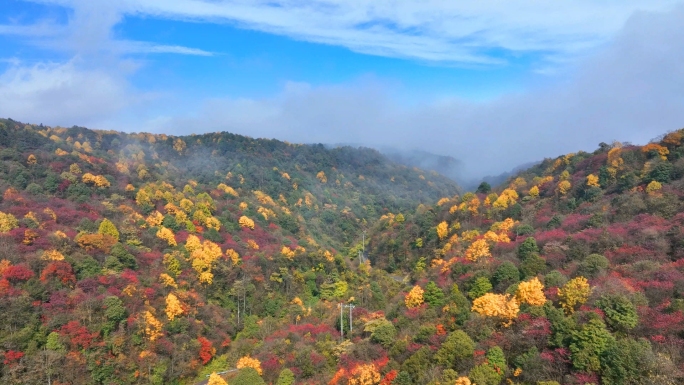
{"x": 153, "y": 259}
{"x": 572, "y": 272}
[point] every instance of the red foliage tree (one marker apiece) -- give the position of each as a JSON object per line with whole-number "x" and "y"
{"x": 79, "y": 335}
{"x": 61, "y": 269}
{"x": 12, "y": 357}
{"x": 19, "y": 272}
{"x": 206, "y": 351}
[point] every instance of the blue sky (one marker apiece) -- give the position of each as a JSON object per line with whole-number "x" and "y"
{"x": 447, "y": 77}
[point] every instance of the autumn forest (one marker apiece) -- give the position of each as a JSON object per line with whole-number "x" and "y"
{"x": 133, "y": 258}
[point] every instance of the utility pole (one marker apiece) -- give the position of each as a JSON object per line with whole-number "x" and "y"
{"x": 350, "y": 307}
{"x": 351, "y": 325}
{"x": 362, "y": 253}
{"x": 363, "y": 244}
{"x": 341, "y": 305}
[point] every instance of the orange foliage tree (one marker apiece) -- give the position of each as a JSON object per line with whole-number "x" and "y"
{"x": 103, "y": 242}
{"x": 654, "y": 148}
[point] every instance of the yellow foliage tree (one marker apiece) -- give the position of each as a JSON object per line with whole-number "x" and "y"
{"x": 244, "y": 221}
{"x": 173, "y": 307}
{"x": 228, "y": 190}
{"x": 463, "y": 381}
{"x": 474, "y": 205}
{"x": 186, "y": 204}
{"x": 7, "y": 222}
{"x": 97, "y": 180}
{"x": 364, "y": 375}
{"x": 478, "y": 249}
{"x": 108, "y": 228}
{"x": 215, "y": 379}
{"x": 142, "y": 198}
{"x": 152, "y": 326}
{"x": 615, "y": 160}
{"x": 32, "y": 160}
{"x": 534, "y": 193}
{"x": 203, "y": 259}
{"x": 575, "y": 292}
{"x": 249, "y": 362}
{"x": 179, "y": 145}
{"x": 653, "y": 187}
{"x": 266, "y": 213}
{"x": 192, "y": 243}
{"x": 593, "y": 181}
{"x": 563, "y": 187}
{"x": 414, "y": 298}
{"x": 167, "y": 280}
{"x": 469, "y": 235}
{"x": 212, "y": 223}
{"x": 531, "y": 292}
{"x": 287, "y": 253}
{"x": 167, "y": 235}
{"x": 507, "y": 198}
{"x": 321, "y": 176}
{"x": 233, "y": 256}
{"x": 500, "y": 306}
{"x": 504, "y": 226}
{"x": 442, "y": 230}
{"x": 51, "y": 213}
{"x": 53, "y": 255}
{"x": 75, "y": 169}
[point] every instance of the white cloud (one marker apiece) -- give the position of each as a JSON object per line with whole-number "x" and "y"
{"x": 62, "y": 93}
{"x": 432, "y": 30}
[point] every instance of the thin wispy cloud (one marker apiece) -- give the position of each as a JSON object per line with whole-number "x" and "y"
{"x": 432, "y": 30}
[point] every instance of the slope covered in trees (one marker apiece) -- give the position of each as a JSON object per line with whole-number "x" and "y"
{"x": 571, "y": 272}
{"x": 138, "y": 259}
{"x": 121, "y": 250}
